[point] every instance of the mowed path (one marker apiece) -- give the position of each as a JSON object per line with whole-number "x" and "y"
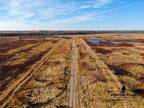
{"x": 5, "y": 97}
{"x": 74, "y": 98}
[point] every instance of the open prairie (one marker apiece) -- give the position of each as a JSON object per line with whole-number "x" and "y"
{"x": 77, "y": 71}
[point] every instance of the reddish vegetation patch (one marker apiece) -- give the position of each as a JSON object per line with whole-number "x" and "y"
{"x": 142, "y": 54}
{"x": 139, "y": 91}
{"x": 126, "y": 65}
{"x": 85, "y": 66}
{"x": 110, "y": 43}
{"x": 125, "y": 53}
{"x": 82, "y": 54}
{"x": 141, "y": 79}
{"x": 4, "y": 58}
{"x": 118, "y": 70}
{"x": 54, "y": 41}
{"x": 14, "y": 44}
{"x": 126, "y": 44}
{"x": 9, "y": 72}
{"x": 7, "y": 45}
{"x": 105, "y": 44}
{"x": 107, "y": 37}
{"x": 93, "y": 46}
{"x": 103, "y": 51}
{"x": 89, "y": 66}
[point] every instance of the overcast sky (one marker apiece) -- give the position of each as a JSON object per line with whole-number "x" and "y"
{"x": 71, "y": 14}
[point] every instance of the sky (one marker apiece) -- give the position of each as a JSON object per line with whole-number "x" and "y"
{"x": 71, "y": 14}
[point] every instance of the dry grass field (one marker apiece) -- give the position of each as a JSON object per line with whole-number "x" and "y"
{"x": 124, "y": 57}
{"x": 86, "y": 71}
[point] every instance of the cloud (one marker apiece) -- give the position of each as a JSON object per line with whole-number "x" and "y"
{"x": 75, "y": 19}
{"x": 95, "y": 4}
{"x": 103, "y": 1}
{"x": 14, "y": 25}
{"x": 25, "y": 9}
{"x": 31, "y": 13}
{"x": 22, "y": 9}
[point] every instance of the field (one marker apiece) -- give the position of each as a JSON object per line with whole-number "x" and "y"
{"x": 79, "y": 71}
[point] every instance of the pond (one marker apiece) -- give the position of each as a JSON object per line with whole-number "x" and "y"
{"x": 97, "y": 40}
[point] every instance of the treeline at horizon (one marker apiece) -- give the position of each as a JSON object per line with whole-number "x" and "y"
{"x": 68, "y": 32}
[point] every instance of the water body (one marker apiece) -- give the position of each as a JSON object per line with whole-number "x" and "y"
{"x": 97, "y": 40}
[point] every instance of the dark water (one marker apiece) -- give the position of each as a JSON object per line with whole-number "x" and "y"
{"x": 97, "y": 40}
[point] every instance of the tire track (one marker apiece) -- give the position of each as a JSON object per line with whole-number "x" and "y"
{"x": 5, "y": 98}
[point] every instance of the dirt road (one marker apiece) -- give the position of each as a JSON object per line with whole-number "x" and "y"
{"x": 74, "y": 100}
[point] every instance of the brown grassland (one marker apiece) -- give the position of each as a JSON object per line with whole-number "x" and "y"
{"x": 38, "y": 73}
